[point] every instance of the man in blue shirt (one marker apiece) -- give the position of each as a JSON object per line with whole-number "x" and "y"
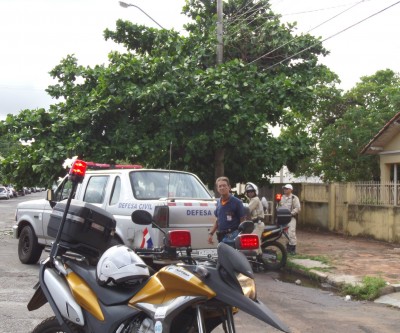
{"x": 229, "y": 213}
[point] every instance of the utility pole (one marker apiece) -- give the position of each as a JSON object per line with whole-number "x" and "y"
{"x": 220, "y": 29}
{"x": 219, "y": 155}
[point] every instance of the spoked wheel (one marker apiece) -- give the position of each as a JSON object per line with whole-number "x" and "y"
{"x": 51, "y": 325}
{"x": 274, "y": 255}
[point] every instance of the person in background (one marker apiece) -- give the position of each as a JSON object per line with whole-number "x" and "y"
{"x": 264, "y": 202}
{"x": 229, "y": 213}
{"x": 256, "y": 211}
{"x": 291, "y": 202}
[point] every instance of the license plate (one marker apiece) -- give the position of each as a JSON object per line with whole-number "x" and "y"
{"x": 208, "y": 252}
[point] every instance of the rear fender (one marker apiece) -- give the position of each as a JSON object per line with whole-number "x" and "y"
{"x": 58, "y": 294}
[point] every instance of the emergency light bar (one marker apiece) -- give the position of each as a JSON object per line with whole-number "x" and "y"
{"x": 100, "y": 166}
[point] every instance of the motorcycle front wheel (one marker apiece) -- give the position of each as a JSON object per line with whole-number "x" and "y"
{"x": 51, "y": 325}
{"x": 274, "y": 255}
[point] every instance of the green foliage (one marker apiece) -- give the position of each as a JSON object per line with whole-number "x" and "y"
{"x": 364, "y": 110}
{"x": 167, "y": 94}
{"x": 368, "y": 290}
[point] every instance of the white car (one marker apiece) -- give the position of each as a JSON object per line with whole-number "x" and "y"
{"x": 4, "y": 194}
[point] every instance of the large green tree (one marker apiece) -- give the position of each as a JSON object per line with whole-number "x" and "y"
{"x": 165, "y": 96}
{"x": 347, "y": 125}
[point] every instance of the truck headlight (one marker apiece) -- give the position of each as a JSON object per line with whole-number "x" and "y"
{"x": 248, "y": 286}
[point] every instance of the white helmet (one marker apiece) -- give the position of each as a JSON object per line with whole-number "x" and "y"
{"x": 120, "y": 264}
{"x": 251, "y": 187}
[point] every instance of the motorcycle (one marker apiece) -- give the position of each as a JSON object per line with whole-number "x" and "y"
{"x": 274, "y": 253}
{"x": 121, "y": 295}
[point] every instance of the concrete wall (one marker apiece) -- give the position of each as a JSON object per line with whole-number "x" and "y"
{"x": 330, "y": 207}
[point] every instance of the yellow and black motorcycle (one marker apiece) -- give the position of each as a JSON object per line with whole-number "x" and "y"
{"x": 121, "y": 295}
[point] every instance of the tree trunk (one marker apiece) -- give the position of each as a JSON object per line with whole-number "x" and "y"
{"x": 219, "y": 170}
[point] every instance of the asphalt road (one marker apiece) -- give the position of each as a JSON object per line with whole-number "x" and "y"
{"x": 303, "y": 309}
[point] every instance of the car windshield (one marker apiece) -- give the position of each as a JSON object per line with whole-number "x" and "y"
{"x": 164, "y": 184}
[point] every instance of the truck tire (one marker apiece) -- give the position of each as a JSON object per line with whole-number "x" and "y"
{"x": 29, "y": 250}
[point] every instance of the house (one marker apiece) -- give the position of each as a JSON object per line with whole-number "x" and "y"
{"x": 386, "y": 144}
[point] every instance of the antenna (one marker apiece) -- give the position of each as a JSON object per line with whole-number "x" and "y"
{"x": 169, "y": 167}
{"x": 170, "y": 155}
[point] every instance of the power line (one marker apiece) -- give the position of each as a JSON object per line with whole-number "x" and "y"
{"x": 317, "y": 26}
{"x": 318, "y": 10}
{"x": 235, "y": 17}
{"x": 334, "y": 35}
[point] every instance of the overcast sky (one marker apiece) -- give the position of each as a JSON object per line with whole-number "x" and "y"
{"x": 36, "y": 34}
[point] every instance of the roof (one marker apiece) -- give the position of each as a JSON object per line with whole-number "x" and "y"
{"x": 384, "y": 136}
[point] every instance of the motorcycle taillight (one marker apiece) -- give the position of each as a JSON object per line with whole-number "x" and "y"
{"x": 247, "y": 242}
{"x": 179, "y": 238}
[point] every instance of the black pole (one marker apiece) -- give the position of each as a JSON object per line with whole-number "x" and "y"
{"x": 56, "y": 244}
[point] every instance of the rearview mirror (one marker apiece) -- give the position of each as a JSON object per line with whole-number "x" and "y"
{"x": 50, "y": 198}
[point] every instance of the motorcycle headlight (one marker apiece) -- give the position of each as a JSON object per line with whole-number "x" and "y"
{"x": 248, "y": 286}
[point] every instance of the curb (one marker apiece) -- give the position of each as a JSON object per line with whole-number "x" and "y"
{"x": 337, "y": 281}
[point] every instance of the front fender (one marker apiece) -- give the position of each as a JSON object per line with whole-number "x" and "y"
{"x": 38, "y": 300}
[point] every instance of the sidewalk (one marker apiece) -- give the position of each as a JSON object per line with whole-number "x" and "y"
{"x": 351, "y": 259}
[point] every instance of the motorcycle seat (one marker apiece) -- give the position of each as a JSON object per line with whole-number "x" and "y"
{"x": 270, "y": 227}
{"x": 108, "y": 295}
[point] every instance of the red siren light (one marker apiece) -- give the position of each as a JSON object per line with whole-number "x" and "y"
{"x": 77, "y": 171}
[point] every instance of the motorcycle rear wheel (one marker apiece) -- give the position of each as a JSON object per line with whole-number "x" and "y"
{"x": 274, "y": 255}
{"x": 51, "y": 325}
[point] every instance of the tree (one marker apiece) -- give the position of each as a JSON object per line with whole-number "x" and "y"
{"x": 166, "y": 93}
{"x": 360, "y": 114}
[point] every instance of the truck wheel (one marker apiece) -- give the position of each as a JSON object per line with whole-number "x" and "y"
{"x": 29, "y": 250}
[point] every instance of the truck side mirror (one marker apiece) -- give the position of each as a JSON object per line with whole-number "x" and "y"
{"x": 50, "y": 198}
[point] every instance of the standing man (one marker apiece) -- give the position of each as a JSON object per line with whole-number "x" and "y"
{"x": 291, "y": 202}
{"x": 256, "y": 210}
{"x": 229, "y": 213}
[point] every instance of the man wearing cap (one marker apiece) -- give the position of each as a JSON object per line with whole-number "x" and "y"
{"x": 291, "y": 202}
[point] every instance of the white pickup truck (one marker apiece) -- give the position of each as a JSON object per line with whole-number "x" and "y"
{"x": 176, "y": 199}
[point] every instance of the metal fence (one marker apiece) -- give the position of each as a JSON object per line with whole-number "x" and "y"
{"x": 360, "y": 193}
{"x": 374, "y": 193}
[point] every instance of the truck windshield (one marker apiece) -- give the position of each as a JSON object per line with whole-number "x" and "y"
{"x": 164, "y": 184}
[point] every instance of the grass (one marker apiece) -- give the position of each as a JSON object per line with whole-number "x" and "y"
{"x": 368, "y": 290}
{"x": 321, "y": 259}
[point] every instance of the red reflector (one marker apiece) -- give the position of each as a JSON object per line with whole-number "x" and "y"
{"x": 77, "y": 171}
{"x": 278, "y": 197}
{"x": 248, "y": 242}
{"x": 179, "y": 238}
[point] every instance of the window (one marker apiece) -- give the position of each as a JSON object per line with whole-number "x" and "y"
{"x": 63, "y": 190}
{"x": 162, "y": 184}
{"x": 96, "y": 189}
{"x": 116, "y": 191}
